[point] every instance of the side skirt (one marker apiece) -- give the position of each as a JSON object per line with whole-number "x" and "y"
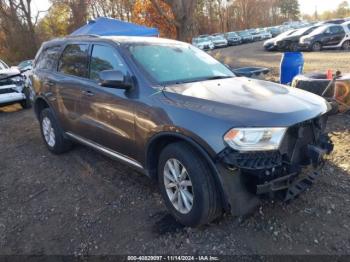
{"x": 106, "y": 151}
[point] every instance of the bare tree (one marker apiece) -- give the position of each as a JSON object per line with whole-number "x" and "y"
{"x": 183, "y": 16}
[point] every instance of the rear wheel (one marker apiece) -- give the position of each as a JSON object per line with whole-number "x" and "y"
{"x": 346, "y": 45}
{"x": 187, "y": 185}
{"x": 316, "y": 47}
{"x": 52, "y": 134}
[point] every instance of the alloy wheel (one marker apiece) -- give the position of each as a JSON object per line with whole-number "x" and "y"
{"x": 346, "y": 45}
{"x": 49, "y": 132}
{"x": 178, "y": 186}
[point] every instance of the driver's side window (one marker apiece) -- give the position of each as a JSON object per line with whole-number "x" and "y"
{"x": 105, "y": 58}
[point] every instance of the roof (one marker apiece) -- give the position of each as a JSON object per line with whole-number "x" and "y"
{"x": 104, "y": 26}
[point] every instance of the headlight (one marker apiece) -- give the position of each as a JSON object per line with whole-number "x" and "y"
{"x": 255, "y": 139}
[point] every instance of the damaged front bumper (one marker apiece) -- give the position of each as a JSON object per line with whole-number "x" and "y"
{"x": 284, "y": 173}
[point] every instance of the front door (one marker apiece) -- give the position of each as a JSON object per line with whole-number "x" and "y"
{"x": 336, "y": 35}
{"x": 107, "y": 114}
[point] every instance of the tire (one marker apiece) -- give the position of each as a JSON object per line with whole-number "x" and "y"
{"x": 346, "y": 45}
{"x": 293, "y": 47}
{"x": 206, "y": 204}
{"x": 27, "y": 103}
{"x": 52, "y": 133}
{"x": 316, "y": 47}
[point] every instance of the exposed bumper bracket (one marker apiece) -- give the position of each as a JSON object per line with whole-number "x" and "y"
{"x": 300, "y": 186}
{"x": 289, "y": 184}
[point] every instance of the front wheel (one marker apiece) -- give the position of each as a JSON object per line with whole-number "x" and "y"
{"x": 187, "y": 185}
{"x": 346, "y": 45}
{"x": 293, "y": 47}
{"x": 316, "y": 47}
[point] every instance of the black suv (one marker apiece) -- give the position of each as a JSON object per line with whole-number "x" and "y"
{"x": 326, "y": 36}
{"x": 213, "y": 141}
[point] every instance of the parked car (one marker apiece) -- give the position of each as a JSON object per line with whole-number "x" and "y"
{"x": 12, "y": 88}
{"x": 275, "y": 31}
{"x": 271, "y": 44}
{"x": 255, "y": 34}
{"x": 337, "y": 21}
{"x": 264, "y": 34}
{"x": 213, "y": 141}
{"x": 291, "y": 42}
{"x": 203, "y": 42}
{"x": 326, "y": 36}
{"x": 246, "y": 36}
{"x": 233, "y": 38}
{"x": 219, "y": 40}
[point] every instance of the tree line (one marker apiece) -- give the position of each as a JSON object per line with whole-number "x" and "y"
{"x": 23, "y": 31}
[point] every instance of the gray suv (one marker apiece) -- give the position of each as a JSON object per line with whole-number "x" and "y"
{"x": 214, "y": 142}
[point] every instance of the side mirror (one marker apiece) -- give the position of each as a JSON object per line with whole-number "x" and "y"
{"x": 114, "y": 79}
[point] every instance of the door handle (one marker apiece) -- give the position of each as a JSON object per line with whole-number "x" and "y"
{"x": 88, "y": 93}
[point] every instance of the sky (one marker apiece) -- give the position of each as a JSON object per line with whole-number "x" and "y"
{"x": 306, "y": 6}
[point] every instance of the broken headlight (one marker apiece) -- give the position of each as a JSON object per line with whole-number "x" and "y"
{"x": 255, "y": 139}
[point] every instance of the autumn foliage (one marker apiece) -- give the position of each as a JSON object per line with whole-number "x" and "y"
{"x": 145, "y": 13}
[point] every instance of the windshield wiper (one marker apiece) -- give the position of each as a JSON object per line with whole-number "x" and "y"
{"x": 216, "y": 77}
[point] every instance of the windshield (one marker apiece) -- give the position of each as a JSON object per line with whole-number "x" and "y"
{"x": 218, "y": 37}
{"x": 319, "y": 30}
{"x": 25, "y": 64}
{"x": 203, "y": 39}
{"x": 179, "y": 63}
{"x": 302, "y": 31}
{"x": 286, "y": 33}
{"x": 242, "y": 33}
{"x": 232, "y": 34}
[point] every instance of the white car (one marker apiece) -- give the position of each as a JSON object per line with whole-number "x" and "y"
{"x": 203, "y": 43}
{"x": 219, "y": 40}
{"x": 12, "y": 88}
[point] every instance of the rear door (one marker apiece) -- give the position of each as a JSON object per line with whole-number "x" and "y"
{"x": 44, "y": 76}
{"x": 107, "y": 114}
{"x": 337, "y": 34}
{"x": 71, "y": 76}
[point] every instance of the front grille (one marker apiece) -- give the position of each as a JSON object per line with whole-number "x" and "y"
{"x": 298, "y": 137}
{"x": 6, "y": 91}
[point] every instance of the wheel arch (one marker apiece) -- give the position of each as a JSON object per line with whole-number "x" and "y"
{"x": 40, "y": 104}
{"x": 160, "y": 141}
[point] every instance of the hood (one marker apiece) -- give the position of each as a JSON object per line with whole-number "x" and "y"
{"x": 5, "y": 73}
{"x": 247, "y": 102}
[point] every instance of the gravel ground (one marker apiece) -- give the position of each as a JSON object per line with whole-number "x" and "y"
{"x": 254, "y": 55}
{"x": 83, "y": 203}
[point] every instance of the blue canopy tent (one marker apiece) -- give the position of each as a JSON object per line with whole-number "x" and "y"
{"x": 112, "y": 27}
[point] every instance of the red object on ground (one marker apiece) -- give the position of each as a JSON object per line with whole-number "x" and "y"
{"x": 329, "y": 74}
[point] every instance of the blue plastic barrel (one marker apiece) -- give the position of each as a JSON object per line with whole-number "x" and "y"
{"x": 292, "y": 64}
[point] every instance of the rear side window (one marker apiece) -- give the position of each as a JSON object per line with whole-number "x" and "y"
{"x": 74, "y": 60}
{"x": 337, "y": 30}
{"x": 349, "y": 26}
{"x": 48, "y": 58}
{"x": 105, "y": 58}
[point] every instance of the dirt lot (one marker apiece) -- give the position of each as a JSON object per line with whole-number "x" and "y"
{"x": 84, "y": 203}
{"x": 254, "y": 55}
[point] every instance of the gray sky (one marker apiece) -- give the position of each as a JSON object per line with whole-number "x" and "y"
{"x": 306, "y": 6}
